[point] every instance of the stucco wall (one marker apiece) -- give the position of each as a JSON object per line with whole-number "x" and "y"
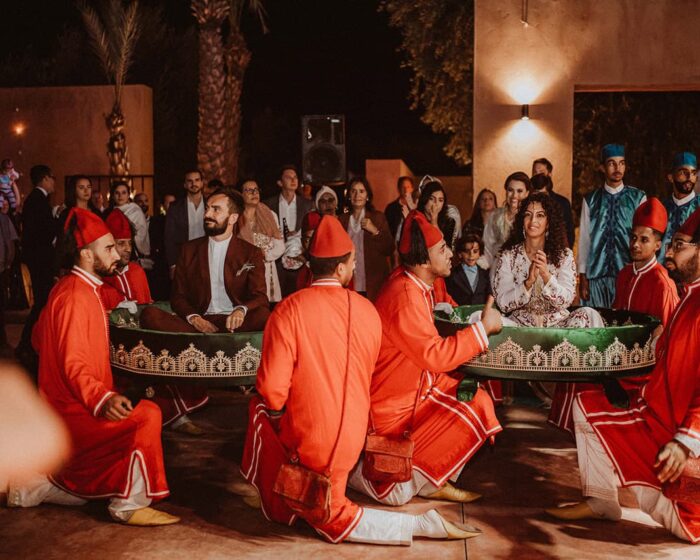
{"x": 65, "y": 129}
{"x": 383, "y": 174}
{"x": 568, "y": 46}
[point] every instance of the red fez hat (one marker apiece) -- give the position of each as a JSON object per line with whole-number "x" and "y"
{"x": 651, "y": 214}
{"x": 88, "y": 226}
{"x": 330, "y": 239}
{"x": 310, "y": 221}
{"x": 431, "y": 234}
{"x": 691, "y": 225}
{"x": 118, "y": 224}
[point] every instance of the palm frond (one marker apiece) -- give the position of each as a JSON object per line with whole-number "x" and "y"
{"x": 127, "y": 35}
{"x": 98, "y": 38}
{"x": 255, "y": 7}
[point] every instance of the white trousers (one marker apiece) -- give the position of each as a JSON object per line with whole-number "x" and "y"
{"x": 39, "y": 489}
{"x": 600, "y": 481}
{"x": 402, "y": 492}
{"x": 383, "y": 527}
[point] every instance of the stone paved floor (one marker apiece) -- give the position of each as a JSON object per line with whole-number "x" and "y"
{"x": 532, "y": 467}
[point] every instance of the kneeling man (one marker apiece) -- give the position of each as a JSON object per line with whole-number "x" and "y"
{"x": 117, "y": 452}
{"x": 414, "y": 386}
{"x": 647, "y": 446}
{"x": 319, "y": 351}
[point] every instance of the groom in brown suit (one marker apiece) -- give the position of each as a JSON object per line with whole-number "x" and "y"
{"x": 219, "y": 283}
{"x": 219, "y": 286}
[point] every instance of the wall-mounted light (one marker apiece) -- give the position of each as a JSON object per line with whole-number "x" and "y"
{"x": 525, "y": 113}
{"x": 19, "y": 128}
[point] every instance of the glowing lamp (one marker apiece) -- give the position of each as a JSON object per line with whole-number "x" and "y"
{"x": 525, "y": 112}
{"x": 19, "y": 128}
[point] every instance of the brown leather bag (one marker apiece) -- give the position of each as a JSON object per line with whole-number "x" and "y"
{"x": 390, "y": 458}
{"x": 305, "y": 491}
{"x": 686, "y": 488}
{"x": 387, "y": 458}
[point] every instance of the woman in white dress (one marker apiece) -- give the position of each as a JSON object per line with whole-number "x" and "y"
{"x": 534, "y": 281}
{"x": 500, "y": 223}
{"x": 260, "y": 226}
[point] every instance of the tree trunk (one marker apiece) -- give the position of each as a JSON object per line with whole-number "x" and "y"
{"x": 116, "y": 147}
{"x": 237, "y": 60}
{"x": 211, "y": 133}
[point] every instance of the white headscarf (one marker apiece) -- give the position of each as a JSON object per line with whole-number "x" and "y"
{"x": 324, "y": 189}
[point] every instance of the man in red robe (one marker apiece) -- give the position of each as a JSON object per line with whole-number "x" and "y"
{"x": 649, "y": 444}
{"x": 129, "y": 282}
{"x": 314, "y": 400}
{"x": 642, "y": 286}
{"x": 414, "y": 385}
{"x": 128, "y": 288}
{"x": 117, "y": 452}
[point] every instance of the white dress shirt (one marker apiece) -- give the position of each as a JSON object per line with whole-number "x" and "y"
{"x": 288, "y": 211}
{"x": 220, "y": 303}
{"x": 195, "y": 219}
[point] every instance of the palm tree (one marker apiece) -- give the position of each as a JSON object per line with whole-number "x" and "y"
{"x": 211, "y": 133}
{"x": 222, "y": 66}
{"x": 113, "y": 33}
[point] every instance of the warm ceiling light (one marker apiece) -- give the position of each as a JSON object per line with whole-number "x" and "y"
{"x": 19, "y": 128}
{"x": 525, "y": 113}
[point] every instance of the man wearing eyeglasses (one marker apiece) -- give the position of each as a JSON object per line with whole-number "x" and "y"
{"x": 683, "y": 201}
{"x": 39, "y": 230}
{"x": 647, "y": 446}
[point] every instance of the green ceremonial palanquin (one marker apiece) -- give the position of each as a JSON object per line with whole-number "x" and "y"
{"x": 622, "y": 349}
{"x": 210, "y": 359}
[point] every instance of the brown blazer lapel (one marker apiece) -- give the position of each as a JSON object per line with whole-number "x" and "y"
{"x": 234, "y": 262}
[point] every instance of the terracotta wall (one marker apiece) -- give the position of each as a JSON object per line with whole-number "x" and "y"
{"x": 384, "y": 173}
{"x": 64, "y": 128}
{"x": 568, "y": 46}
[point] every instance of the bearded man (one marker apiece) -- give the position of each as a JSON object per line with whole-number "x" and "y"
{"x": 219, "y": 286}
{"x": 647, "y": 446}
{"x": 117, "y": 451}
{"x": 683, "y": 201}
{"x": 128, "y": 285}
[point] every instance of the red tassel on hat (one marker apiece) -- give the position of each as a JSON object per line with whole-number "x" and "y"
{"x": 89, "y": 227}
{"x": 651, "y": 214}
{"x": 431, "y": 234}
{"x": 330, "y": 239}
{"x": 118, "y": 224}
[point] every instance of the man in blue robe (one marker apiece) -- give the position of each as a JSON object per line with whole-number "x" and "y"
{"x": 606, "y": 221}
{"x": 683, "y": 201}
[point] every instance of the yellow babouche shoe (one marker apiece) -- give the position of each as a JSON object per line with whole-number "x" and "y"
{"x": 451, "y": 494}
{"x": 149, "y": 517}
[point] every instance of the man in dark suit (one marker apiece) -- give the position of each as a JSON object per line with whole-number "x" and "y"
{"x": 184, "y": 220}
{"x": 39, "y": 230}
{"x": 469, "y": 284}
{"x": 544, "y": 167}
{"x": 219, "y": 283}
{"x": 290, "y": 209}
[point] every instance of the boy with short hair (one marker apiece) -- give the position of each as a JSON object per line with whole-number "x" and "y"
{"x": 469, "y": 284}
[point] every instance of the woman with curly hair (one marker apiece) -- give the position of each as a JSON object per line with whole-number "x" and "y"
{"x": 535, "y": 274}
{"x": 433, "y": 203}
